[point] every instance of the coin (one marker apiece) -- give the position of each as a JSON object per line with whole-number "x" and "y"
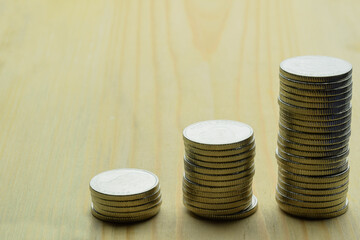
{"x": 315, "y": 179}
{"x": 311, "y": 198}
{"x": 219, "y": 171}
{"x": 122, "y": 209}
{"x": 300, "y": 203}
{"x": 124, "y": 184}
{"x": 307, "y": 160}
{"x": 316, "y": 142}
{"x": 317, "y": 99}
{"x": 315, "y": 86}
{"x": 199, "y": 187}
{"x": 220, "y": 206}
{"x": 307, "y": 191}
{"x": 231, "y": 158}
{"x": 314, "y": 185}
{"x": 287, "y": 99}
{"x": 121, "y": 219}
{"x": 208, "y": 193}
{"x": 314, "y": 111}
{"x": 310, "y": 148}
{"x": 315, "y": 69}
{"x": 131, "y": 203}
{"x": 307, "y": 123}
{"x": 323, "y": 166}
{"x": 219, "y": 164}
{"x": 326, "y": 130}
{"x": 323, "y": 210}
{"x": 205, "y": 211}
{"x": 212, "y": 183}
{"x": 317, "y": 93}
{"x": 239, "y": 215}
{"x": 309, "y": 117}
{"x": 152, "y": 210}
{"x": 218, "y": 135}
{"x": 220, "y": 153}
{"x": 219, "y": 199}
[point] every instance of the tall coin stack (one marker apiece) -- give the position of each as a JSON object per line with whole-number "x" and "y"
{"x": 125, "y": 195}
{"x": 219, "y": 168}
{"x": 314, "y": 132}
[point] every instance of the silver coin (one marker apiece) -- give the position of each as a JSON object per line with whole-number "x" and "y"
{"x": 315, "y": 68}
{"x": 124, "y": 184}
{"x": 315, "y": 86}
{"x": 218, "y": 134}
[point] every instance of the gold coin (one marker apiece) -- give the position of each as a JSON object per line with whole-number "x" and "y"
{"x": 306, "y": 160}
{"x": 220, "y": 153}
{"x": 238, "y": 157}
{"x": 217, "y": 164}
{"x": 307, "y": 123}
{"x": 326, "y": 130}
{"x": 302, "y": 166}
{"x": 149, "y": 211}
{"x": 313, "y": 172}
{"x": 211, "y": 183}
{"x": 306, "y": 104}
{"x": 321, "y": 69}
{"x": 314, "y": 179}
{"x": 286, "y": 132}
{"x": 227, "y": 191}
{"x": 218, "y": 135}
{"x": 314, "y": 185}
{"x": 315, "y": 86}
{"x": 311, "y": 198}
{"x": 313, "y": 111}
{"x": 317, "y": 118}
{"x": 312, "y": 154}
{"x": 313, "y": 215}
{"x": 219, "y": 206}
{"x": 206, "y": 211}
{"x": 122, "y": 209}
{"x": 239, "y": 215}
{"x": 121, "y": 219}
{"x": 218, "y": 199}
{"x": 310, "y": 148}
{"x": 317, "y": 142}
{"x": 323, "y": 210}
{"x": 226, "y": 177}
{"x": 247, "y": 166}
{"x": 317, "y": 99}
{"x": 296, "y": 189}
{"x": 131, "y": 203}
{"x": 300, "y": 203}
{"x": 124, "y": 184}
{"x": 317, "y": 93}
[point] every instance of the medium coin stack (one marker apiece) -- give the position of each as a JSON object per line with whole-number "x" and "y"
{"x": 219, "y": 168}
{"x": 125, "y": 195}
{"x": 313, "y": 140}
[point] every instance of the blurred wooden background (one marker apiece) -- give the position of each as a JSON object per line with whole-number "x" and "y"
{"x": 87, "y": 86}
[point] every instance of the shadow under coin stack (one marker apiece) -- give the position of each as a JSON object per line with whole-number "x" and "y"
{"x": 125, "y": 195}
{"x": 313, "y": 140}
{"x": 219, "y": 168}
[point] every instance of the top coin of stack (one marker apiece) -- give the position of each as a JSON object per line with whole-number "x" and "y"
{"x": 125, "y": 195}
{"x": 219, "y": 167}
{"x": 314, "y": 132}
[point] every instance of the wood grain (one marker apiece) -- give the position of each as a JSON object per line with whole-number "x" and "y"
{"x": 88, "y": 86}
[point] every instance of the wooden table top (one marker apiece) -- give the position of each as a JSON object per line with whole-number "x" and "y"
{"x": 88, "y": 86}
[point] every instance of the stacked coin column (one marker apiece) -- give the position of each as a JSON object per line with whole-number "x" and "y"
{"x": 313, "y": 140}
{"x": 125, "y": 195}
{"x": 219, "y": 168}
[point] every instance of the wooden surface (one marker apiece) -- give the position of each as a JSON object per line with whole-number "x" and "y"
{"x": 87, "y": 86}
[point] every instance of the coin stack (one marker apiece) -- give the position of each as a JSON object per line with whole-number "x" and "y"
{"x": 125, "y": 195}
{"x": 219, "y": 168}
{"x": 314, "y": 132}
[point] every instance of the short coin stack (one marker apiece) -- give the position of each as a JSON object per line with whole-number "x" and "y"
{"x": 125, "y": 195}
{"x": 219, "y": 167}
{"x": 313, "y": 140}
